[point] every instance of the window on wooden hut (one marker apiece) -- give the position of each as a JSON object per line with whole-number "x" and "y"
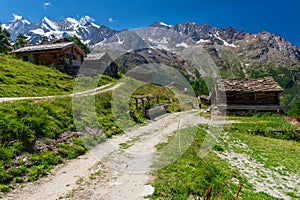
{"x": 25, "y": 58}
{"x": 68, "y": 55}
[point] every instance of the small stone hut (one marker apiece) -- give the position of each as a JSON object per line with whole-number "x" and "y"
{"x": 99, "y": 63}
{"x": 261, "y": 94}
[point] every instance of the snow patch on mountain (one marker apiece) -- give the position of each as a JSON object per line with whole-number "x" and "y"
{"x": 164, "y": 24}
{"x": 203, "y": 41}
{"x": 38, "y": 31}
{"x": 95, "y": 25}
{"x": 224, "y": 42}
{"x": 119, "y": 40}
{"x": 5, "y": 26}
{"x": 182, "y": 44}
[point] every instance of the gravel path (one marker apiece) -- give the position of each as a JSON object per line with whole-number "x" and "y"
{"x": 101, "y": 89}
{"x": 109, "y": 171}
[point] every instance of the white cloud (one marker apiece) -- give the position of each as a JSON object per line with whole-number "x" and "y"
{"x": 46, "y": 4}
{"x": 111, "y": 20}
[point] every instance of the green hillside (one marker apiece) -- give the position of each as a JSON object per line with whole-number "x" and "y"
{"x": 43, "y": 132}
{"x": 271, "y": 160}
{"x": 19, "y": 78}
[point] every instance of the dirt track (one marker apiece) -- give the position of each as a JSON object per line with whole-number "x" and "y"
{"x": 109, "y": 171}
{"x": 101, "y": 89}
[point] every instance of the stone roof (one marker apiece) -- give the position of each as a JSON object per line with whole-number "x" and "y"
{"x": 98, "y": 63}
{"x": 94, "y": 56}
{"x": 266, "y": 84}
{"x": 44, "y": 47}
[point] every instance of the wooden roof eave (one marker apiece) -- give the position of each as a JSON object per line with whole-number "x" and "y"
{"x": 39, "y": 52}
{"x": 77, "y": 48}
{"x": 54, "y": 50}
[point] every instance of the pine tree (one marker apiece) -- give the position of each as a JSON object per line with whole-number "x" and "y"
{"x": 4, "y": 40}
{"x": 20, "y": 41}
{"x": 80, "y": 44}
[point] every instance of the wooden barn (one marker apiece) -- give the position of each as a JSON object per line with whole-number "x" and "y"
{"x": 260, "y": 94}
{"x": 99, "y": 63}
{"x": 55, "y": 54}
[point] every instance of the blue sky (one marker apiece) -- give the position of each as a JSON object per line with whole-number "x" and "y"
{"x": 281, "y": 17}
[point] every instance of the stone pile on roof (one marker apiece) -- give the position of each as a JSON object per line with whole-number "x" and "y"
{"x": 266, "y": 84}
{"x": 99, "y": 63}
{"x": 94, "y": 56}
{"x": 44, "y": 47}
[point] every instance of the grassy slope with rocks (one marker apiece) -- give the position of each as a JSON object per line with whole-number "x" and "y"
{"x": 35, "y": 135}
{"x": 246, "y": 153}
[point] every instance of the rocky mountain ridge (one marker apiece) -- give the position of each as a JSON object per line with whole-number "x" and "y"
{"x": 236, "y": 53}
{"x": 84, "y": 28}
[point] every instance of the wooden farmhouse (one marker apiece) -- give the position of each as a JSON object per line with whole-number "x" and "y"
{"x": 260, "y": 94}
{"x": 99, "y": 63}
{"x": 67, "y": 56}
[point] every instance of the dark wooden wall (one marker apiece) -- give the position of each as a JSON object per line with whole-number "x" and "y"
{"x": 259, "y": 98}
{"x": 68, "y": 56}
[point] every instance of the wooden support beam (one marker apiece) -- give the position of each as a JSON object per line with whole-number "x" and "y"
{"x": 143, "y": 107}
{"x": 136, "y": 103}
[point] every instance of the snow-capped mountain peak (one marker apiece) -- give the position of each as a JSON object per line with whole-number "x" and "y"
{"x": 20, "y": 18}
{"x": 17, "y": 17}
{"x": 161, "y": 24}
{"x": 49, "y": 24}
{"x": 86, "y": 19}
{"x": 84, "y": 28}
{"x": 73, "y": 21}
{"x": 258, "y": 49}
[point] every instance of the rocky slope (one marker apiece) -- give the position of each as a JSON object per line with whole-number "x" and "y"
{"x": 236, "y": 53}
{"x": 240, "y": 52}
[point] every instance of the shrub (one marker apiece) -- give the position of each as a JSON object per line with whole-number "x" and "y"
{"x": 19, "y": 180}
{"x": 47, "y": 159}
{"x": 4, "y": 188}
{"x": 218, "y": 148}
{"x": 18, "y": 171}
{"x": 5, "y": 178}
{"x": 36, "y": 172}
{"x": 71, "y": 151}
{"x": 294, "y": 107}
